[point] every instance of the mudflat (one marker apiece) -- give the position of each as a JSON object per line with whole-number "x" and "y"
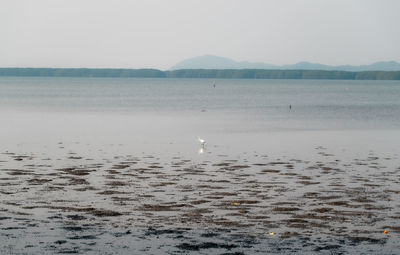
{"x": 229, "y": 205}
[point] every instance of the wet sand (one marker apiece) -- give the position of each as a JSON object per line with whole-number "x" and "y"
{"x": 247, "y": 204}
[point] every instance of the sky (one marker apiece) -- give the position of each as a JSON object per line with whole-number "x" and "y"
{"x": 160, "y": 33}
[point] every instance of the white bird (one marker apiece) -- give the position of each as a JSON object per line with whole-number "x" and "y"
{"x": 202, "y": 141}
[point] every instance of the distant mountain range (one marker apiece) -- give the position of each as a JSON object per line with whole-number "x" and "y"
{"x": 216, "y": 62}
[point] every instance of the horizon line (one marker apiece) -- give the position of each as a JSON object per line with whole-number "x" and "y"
{"x": 172, "y": 70}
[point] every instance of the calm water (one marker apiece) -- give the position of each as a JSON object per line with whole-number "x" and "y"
{"x": 150, "y": 114}
{"x": 348, "y": 104}
{"x": 318, "y": 100}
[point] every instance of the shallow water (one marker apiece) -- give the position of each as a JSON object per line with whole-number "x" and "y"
{"x": 150, "y": 114}
{"x": 114, "y": 166}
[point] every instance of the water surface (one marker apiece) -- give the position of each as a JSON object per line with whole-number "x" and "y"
{"x": 105, "y": 166}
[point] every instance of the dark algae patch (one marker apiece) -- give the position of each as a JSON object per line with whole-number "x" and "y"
{"x": 206, "y": 245}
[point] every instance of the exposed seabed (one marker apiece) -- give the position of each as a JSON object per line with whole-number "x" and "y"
{"x": 247, "y": 203}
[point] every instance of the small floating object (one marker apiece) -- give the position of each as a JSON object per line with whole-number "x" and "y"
{"x": 386, "y": 232}
{"x": 271, "y": 233}
{"x": 236, "y": 203}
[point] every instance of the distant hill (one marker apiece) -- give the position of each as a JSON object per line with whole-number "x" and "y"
{"x": 215, "y": 62}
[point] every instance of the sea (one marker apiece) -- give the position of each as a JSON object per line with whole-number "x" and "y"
{"x": 168, "y": 115}
{"x": 115, "y": 166}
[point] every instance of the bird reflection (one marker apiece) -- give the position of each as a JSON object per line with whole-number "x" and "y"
{"x": 202, "y": 150}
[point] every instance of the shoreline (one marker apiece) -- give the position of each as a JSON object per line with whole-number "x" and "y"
{"x": 290, "y": 74}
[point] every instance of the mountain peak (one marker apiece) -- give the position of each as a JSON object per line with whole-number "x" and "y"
{"x": 205, "y": 62}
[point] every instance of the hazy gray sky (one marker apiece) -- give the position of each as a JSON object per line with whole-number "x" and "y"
{"x": 160, "y": 33}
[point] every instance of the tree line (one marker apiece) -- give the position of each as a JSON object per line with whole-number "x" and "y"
{"x": 202, "y": 73}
